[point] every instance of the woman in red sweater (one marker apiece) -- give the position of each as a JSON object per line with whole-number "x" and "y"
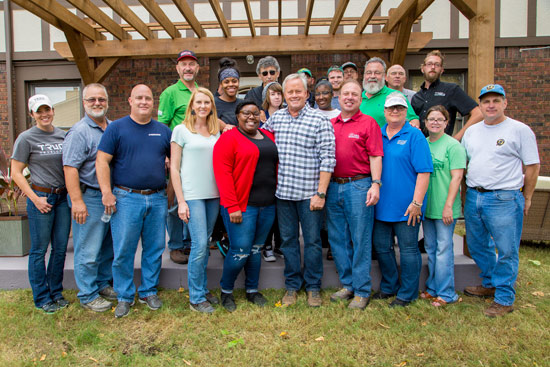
{"x": 245, "y": 166}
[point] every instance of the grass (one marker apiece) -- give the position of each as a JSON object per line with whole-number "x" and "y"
{"x": 420, "y": 335}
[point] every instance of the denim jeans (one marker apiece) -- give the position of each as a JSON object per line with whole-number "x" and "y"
{"x": 438, "y": 241}
{"x": 350, "y": 220}
{"x": 46, "y": 228}
{"x": 497, "y": 215}
{"x": 409, "y": 254}
{"x": 93, "y": 249}
{"x": 178, "y": 233}
{"x": 292, "y": 214}
{"x": 138, "y": 216}
{"x": 202, "y": 217}
{"x": 245, "y": 242}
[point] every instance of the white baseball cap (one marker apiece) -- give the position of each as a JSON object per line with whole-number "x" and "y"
{"x": 39, "y": 100}
{"x": 395, "y": 99}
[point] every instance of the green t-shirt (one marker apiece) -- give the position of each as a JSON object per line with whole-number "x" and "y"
{"x": 173, "y": 103}
{"x": 447, "y": 154}
{"x": 374, "y": 106}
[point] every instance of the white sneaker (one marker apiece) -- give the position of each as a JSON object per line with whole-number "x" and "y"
{"x": 268, "y": 255}
{"x": 99, "y": 304}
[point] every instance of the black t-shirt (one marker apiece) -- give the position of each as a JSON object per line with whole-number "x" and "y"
{"x": 450, "y": 95}
{"x": 226, "y": 111}
{"x": 264, "y": 184}
{"x": 255, "y": 94}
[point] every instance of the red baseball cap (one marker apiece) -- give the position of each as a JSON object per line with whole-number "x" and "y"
{"x": 187, "y": 53}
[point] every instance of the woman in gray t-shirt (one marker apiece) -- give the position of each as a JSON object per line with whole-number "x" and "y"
{"x": 40, "y": 148}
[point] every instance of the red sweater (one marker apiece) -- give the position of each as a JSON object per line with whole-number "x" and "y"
{"x": 235, "y": 158}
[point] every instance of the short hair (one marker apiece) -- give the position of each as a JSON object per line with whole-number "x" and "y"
{"x": 295, "y": 76}
{"x": 95, "y": 85}
{"x": 434, "y": 53}
{"x": 439, "y": 108}
{"x": 243, "y": 103}
{"x": 267, "y": 62}
{"x": 326, "y": 83}
{"x": 352, "y": 81}
{"x": 211, "y": 121}
{"x": 378, "y": 60}
{"x": 276, "y": 87}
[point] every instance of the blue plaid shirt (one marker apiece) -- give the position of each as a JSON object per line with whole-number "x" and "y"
{"x": 306, "y": 147}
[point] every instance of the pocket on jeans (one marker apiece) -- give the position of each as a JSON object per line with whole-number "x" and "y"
{"x": 119, "y": 193}
{"x": 363, "y": 184}
{"x": 505, "y": 195}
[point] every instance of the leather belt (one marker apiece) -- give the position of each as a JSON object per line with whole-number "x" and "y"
{"x": 343, "y": 180}
{"x": 480, "y": 189}
{"x": 49, "y": 190}
{"x": 142, "y": 192}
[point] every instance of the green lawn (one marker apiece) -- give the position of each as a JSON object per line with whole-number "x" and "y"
{"x": 420, "y": 335}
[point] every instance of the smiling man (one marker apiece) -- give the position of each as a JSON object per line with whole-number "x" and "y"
{"x": 335, "y": 76}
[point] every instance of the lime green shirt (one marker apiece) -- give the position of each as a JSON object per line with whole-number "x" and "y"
{"x": 447, "y": 154}
{"x": 374, "y": 106}
{"x": 173, "y": 104}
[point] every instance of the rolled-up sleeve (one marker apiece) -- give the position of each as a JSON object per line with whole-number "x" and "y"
{"x": 326, "y": 146}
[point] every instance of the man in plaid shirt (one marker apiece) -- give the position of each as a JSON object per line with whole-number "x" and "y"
{"x": 305, "y": 141}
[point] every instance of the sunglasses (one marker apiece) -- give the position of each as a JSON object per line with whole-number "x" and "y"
{"x": 270, "y": 72}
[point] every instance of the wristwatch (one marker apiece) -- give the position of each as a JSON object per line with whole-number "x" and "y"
{"x": 321, "y": 195}
{"x": 379, "y": 182}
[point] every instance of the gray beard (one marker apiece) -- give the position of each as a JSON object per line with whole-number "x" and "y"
{"x": 372, "y": 88}
{"x": 97, "y": 115}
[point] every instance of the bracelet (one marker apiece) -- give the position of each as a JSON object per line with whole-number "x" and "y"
{"x": 418, "y": 205}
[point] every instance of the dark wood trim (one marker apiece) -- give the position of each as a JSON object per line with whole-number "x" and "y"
{"x": 497, "y": 19}
{"x": 532, "y": 18}
{"x": 264, "y": 14}
{"x": 499, "y": 42}
{"x": 45, "y": 29}
{"x": 455, "y": 23}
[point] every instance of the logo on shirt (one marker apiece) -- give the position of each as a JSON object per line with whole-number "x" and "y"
{"x": 46, "y": 148}
{"x": 353, "y": 136}
{"x": 401, "y": 142}
{"x": 500, "y": 142}
{"x": 155, "y": 134}
{"x": 439, "y": 94}
{"x": 159, "y": 112}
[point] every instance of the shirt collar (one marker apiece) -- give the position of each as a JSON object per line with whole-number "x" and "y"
{"x": 433, "y": 85}
{"x": 383, "y": 90}
{"x": 182, "y": 86}
{"x": 91, "y": 122}
{"x": 355, "y": 117}
{"x": 302, "y": 111}
{"x": 403, "y": 130}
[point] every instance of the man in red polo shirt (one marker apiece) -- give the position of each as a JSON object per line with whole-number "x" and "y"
{"x": 353, "y": 191}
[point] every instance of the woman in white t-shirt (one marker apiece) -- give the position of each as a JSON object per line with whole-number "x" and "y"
{"x": 195, "y": 187}
{"x": 323, "y": 99}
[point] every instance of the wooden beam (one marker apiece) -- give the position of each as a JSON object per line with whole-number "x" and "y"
{"x": 467, "y": 7}
{"x": 338, "y": 15}
{"x": 188, "y": 14}
{"x": 128, "y": 15}
{"x": 103, "y": 69}
{"x": 92, "y": 11}
{"x": 280, "y": 15}
{"x": 421, "y": 7}
{"x": 481, "y": 48}
{"x": 216, "y": 7}
{"x": 154, "y": 9}
{"x": 309, "y": 11}
{"x": 399, "y": 14}
{"x": 371, "y": 8}
{"x": 62, "y": 14}
{"x": 76, "y": 44}
{"x": 250, "y": 17}
{"x": 242, "y": 46}
{"x": 39, "y": 12}
{"x": 402, "y": 38}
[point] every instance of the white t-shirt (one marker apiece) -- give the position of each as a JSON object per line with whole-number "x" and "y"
{"x": 496, "y": 153}
{"x": 330, "y": 114}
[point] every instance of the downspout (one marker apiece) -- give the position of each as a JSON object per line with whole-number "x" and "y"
{"x": 9, "y": 74}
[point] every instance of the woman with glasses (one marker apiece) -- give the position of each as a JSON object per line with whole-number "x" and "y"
{"x": 323, "y": 99}
{"x": 228, "y": 77}
{"x": 245, "y": 166}
{"x": 40, "y": 148}
{"x": 443, "y": 207}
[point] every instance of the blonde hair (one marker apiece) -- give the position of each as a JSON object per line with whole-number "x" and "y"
{"x": 436, "y": 53}
{"x": 211, "y": 120}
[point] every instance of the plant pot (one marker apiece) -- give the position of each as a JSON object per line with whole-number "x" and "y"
{"x": 15, "y": 239}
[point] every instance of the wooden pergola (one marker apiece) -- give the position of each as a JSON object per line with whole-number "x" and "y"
{"x": 95, "y": 55}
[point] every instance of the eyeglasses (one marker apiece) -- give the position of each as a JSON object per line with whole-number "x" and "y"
{"x": 434, "y": 64}
{"x": 440, "y": 120}
{"x": 94, "y": 100}
{"x": 247, "y": 114}
{"x": 324, "y": 93}
{"x": 377, "y": 73}
{"x": 270, "y": 72}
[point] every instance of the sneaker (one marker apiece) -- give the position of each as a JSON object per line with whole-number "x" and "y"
{"x": 382, "y": 295}
{"x": 269, "y": 256}
{"x": 153, "y": 302}
{"x": 212, "y": 299}
{"x": 178, "y": 256}
{"x": 359, "y": 303}
{"x": 223, "y": 246}
{"x": 61, "y": 302}
{"x": 290, "y": 298}
{"x": 278, "y": 252}
{"x": 108, "y": 293}
{"x": 314, "y": 299}
{"x": 479, "y": 291}
{"x": 257, "y": 298}
{"x": 123, "y": 309}
{"x": 49, "y": 307}
{"x": 399, "y": 303}
{"x": 99, "y": 304}
{"x": 204, "y": 307}
{"x": 496, "y": 309}
{"x": 228, "y": 302}
{"x": 342, "y": 295}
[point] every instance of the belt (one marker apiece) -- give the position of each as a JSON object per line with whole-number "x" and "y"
{"x": 343, "y": 180}
{"x": 50, "y": 190}
{"x": 480, "y": 189}
{"x": 142, "y": 192}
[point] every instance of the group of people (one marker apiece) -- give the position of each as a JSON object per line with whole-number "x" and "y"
{"x": 281, "y": 159}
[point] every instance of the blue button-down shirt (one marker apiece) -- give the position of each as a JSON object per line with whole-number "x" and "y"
{"x": 80, "y": 149}
{"x": 306, "y": 147}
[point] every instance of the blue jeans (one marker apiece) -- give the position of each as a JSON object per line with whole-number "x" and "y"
{"x": 93, "y": 249}
{"x": 54, "y": 228}
{"x": 409, "y": 255}
{"x": 497, "y": 215}
{"x": 438, "y": 241}
{"x": 202, "y": 217}
{"x": 245, "y": 242}
{"x": 178, "y": 233}
{"x": 351, "y": 220}
{"x": 138, "y": 216}
{"x": 290, "y": 215}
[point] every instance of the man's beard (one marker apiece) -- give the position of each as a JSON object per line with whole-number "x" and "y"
{"x": 97, "y": 115}
{"x": 432, "y": 78}
{"x": 373, "y": 88}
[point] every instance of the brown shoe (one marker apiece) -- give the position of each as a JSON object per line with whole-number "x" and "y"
{"x": 479, "y": 291}
{"x": 496, "y": 309}
{"x": 314, "y": 299}
{"x": 359, "y": 303}
{"x": 289, "y": 298}
{"x": 342, "y": 295}
{"x": 178, "y": 256}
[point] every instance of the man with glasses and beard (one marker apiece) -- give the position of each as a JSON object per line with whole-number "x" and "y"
{"x": 268, "y": 71}
{"x": 375, "y": 93}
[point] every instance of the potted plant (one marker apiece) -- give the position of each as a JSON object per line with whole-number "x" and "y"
{"x": 14, "y": 226}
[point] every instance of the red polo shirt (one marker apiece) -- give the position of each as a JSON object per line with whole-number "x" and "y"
{"x": 356, "y": 140}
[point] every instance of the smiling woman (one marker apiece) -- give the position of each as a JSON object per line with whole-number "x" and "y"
{"x": 228, "y": 76}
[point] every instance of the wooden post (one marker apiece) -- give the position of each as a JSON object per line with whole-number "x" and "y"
{"x": 481, "y": 47}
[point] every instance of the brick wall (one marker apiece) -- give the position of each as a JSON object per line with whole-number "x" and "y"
{"x": 319, "y": 64}
{"x": 4, "y": 127}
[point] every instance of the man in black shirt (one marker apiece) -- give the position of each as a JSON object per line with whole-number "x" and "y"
{"x": 435, "y": 92}
{"x": 268, "y": 70}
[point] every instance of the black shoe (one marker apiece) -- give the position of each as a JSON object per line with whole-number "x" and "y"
{"x": 329, "y": 255}
{"x": 397, "y": 302}
{"x": 278, "y": 252}
{"x": 228, "y": 302}
{"x": 212, "y": 299}
{"x": 61, "y": 302}
{"x": 223, "y": 246}
{"x": 382, "y": 295}
{"x": 257, "y": 298}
